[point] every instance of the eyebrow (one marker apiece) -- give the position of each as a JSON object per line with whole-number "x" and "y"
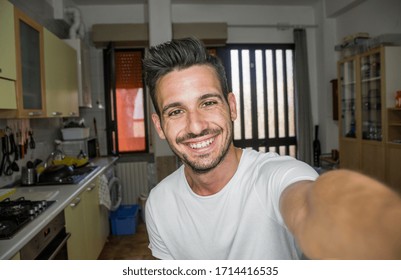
{"x": 203, "y": 97}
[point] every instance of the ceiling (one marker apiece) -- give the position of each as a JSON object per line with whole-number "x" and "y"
{"x": 232, "y": 2}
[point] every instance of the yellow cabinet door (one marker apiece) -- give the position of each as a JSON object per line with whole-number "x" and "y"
{"x": 30, "y": 72}
{"x": 61, "y": 80}
{"x": 8, "y": 97}
{"x": 8, "y": 64}
{"x": 75, "y": 224}
{"x": 94, "y": 242}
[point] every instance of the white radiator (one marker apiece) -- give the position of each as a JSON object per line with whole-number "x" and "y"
{"x": 134, "y": 180}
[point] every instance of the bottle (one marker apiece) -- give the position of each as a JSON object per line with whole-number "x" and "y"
{"x": 316, "y": 148}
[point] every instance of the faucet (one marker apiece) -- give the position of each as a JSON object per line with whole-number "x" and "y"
{"x": 57, "y": 154}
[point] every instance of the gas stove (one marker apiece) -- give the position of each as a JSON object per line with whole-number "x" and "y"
{"x": 17, "y": 213}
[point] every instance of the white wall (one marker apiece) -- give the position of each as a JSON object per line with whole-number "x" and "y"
{"x": 373, "y": 16}
{"x": 326, "y": 64}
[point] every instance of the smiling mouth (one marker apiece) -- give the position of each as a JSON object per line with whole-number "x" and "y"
{"x": 202, "y": 144}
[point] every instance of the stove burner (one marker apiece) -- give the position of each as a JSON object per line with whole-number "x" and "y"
{"x": 15, "y": 214}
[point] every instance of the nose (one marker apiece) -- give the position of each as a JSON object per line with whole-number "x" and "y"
{"x": 196, "y": 122}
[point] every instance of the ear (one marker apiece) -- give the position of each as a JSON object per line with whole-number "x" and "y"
{"x": 157, "y": 123}
{"x": 232, "y": 104}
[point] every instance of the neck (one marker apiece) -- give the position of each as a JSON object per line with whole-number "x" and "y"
{"x": 213, "y": 181}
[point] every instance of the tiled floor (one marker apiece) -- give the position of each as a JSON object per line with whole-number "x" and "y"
{"x": 128, "y": 247}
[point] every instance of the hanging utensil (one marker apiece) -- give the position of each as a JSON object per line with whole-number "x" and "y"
{"x": 31, "y": 140}
{"x": 13, "y": 150}
{"x": 26, "y": 141}
{"x": 96, "y": 137}
{"x": 3, "y": 150}
{"x": 6, "y": 157}
{"x": 20, "y": 144}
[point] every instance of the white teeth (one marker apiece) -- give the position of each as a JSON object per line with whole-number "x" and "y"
{"x": 202, "y": 144}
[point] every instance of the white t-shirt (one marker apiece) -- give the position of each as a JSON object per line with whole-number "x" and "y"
{"x": 242, "y": 221}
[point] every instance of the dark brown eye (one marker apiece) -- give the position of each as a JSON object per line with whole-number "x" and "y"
{"x": 175, "y": 113}
{"x": 209, "y": 103}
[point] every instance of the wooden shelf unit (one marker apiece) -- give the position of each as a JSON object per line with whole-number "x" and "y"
{"x": 369, "y": 125}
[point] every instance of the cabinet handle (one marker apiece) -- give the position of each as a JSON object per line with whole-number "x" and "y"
{"x": 73, "y": 113}
{"x": 89, "y": 189}
{"x": 77, "y": 200}
{"x": 35, "y": 114}
{"x": 57, "y": 113}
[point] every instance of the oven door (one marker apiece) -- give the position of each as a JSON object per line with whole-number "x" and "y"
{"x": 56, "y": 249}
{"x": 50, "y": 243}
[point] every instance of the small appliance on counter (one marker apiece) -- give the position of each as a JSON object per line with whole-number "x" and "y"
{"x": 76, "y": 140}
{"x": 75, "y": 133}
{"x": 74, "y": 147}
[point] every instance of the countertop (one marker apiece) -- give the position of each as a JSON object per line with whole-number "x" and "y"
{"x": 61, "y": 194}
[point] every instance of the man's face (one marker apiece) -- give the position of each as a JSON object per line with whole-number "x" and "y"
{"x": 195, "y": 118}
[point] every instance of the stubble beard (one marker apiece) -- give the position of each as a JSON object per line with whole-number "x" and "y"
{"x": 197, "y": 166}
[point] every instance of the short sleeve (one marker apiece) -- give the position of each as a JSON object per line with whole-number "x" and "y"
{"x": 156, "y": 244}
{"x": 275, "y": 175}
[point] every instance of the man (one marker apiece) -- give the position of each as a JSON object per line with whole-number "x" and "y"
{"x": 229, "y": 203}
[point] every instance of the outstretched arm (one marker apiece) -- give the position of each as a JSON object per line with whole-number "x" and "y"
{"x": 344, "y": 215}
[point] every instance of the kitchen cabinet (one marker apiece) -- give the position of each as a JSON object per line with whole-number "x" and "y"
{"x": 367, "y": 86}
{"x": 8, "y": 98}
{"x": 8, "y": 64}
{"x": 61, "y": 84}
{"x": 93, "y": 238}
{"x": 85, "y": 221}
{"x": 30, "y": 69}
{"x": 75, "y": 224}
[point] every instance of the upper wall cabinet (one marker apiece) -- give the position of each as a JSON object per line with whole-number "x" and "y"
{"x": 61, "y": 79}
{"x": 8, "y": 65}
{"x": 30, "y": 70}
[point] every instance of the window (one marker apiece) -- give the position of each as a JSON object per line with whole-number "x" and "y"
{"x": 126, "y": 104}
{"x": 261, "y": 77}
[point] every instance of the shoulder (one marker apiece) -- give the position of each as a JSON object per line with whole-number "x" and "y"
{"x": 271, "y": 163}
{"x": 168, "y": 186}
{"x": 272, "y": 173}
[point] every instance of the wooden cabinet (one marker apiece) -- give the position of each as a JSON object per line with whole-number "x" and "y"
{"x": 393, "y": 151}
{"x": 367, "y": 86}
{"x": 30, "y": 70}
{"x": 61, "y": 85}
{"x": 85, "y": 221}
{"x": 349, "y": 143}
{"x": 8, "y": 64}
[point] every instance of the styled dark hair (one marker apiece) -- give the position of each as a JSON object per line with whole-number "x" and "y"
{"x": 177, "y": 55}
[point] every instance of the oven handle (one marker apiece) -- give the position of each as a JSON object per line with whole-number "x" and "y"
{"x": 60, "y": 246}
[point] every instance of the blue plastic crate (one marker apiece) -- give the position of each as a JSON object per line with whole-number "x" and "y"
{"x": 124, "y": 220}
